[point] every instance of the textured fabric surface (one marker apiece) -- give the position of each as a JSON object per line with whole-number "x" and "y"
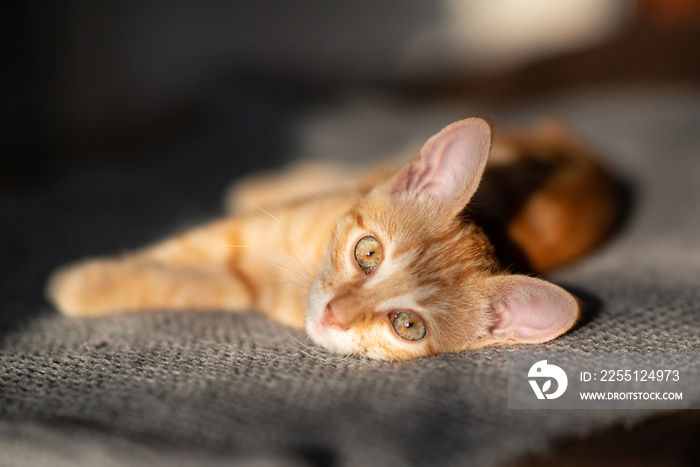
{"x": 236, "y": 389}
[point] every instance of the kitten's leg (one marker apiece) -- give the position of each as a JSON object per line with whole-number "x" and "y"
{"x": 192, "y": 271}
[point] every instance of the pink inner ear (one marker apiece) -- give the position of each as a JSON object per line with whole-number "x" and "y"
{"x": 451, "y": 163}
{"x": 531, "y": 311}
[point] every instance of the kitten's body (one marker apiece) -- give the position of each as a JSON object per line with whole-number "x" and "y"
{"x": 290, "y": 250}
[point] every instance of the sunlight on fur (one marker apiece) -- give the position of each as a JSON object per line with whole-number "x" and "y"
{"x": 394, "y": 264}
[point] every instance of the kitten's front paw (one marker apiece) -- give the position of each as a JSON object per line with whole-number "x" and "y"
{"x": 82, "y": 289}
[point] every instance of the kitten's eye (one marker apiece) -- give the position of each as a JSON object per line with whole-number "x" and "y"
{"x": 368, "y": 253}
{"x": 408, "y": 325}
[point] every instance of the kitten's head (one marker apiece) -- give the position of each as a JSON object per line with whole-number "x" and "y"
{"x": 406, "y": 276}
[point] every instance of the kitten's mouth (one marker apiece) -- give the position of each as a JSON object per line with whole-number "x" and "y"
{"x": 326, "y": 332}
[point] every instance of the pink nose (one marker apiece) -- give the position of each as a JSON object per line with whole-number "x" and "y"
{"x": 331, "y": 319}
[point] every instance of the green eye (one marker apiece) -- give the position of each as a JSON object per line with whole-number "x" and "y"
{"x": 368, "y": 253}
{"x": 408, "y": 325}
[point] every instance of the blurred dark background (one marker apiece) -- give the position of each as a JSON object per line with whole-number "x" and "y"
{"x": 85, "y": 82}
{"x": 108, "y": 103}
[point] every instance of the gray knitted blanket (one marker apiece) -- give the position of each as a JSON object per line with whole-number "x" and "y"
{"x": 236, "y": 389}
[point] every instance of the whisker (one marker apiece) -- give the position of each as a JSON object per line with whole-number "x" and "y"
{"x": 308, "y": 282}
{"x": 305, "y": 349}
{"x": 314, "y": 352}
{"x": 311, "y": 351}
{"x": 292, "y": 271}
{"x": 294, "y": 259}
{"x": 280, "y": 280}
{"x": 300, "y": 244}
{"x": 320, "y": 353}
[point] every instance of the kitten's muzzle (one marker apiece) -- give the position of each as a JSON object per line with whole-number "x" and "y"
{"x": 333, "y": 319}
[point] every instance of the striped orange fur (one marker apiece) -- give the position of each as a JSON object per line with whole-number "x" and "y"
{"x": 433, "y": 283}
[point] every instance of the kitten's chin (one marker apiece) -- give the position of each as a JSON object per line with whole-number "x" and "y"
{"x": 335, "y": 340}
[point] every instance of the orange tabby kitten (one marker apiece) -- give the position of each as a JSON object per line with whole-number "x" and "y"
{"x": 390, "y": 265}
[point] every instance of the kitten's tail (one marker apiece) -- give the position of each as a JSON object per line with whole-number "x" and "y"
{"x": 557, "y": 201}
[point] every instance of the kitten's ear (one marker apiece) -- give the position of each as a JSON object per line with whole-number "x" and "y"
{"x": 450, "y": 165}
{"x": 526, "y": 310}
